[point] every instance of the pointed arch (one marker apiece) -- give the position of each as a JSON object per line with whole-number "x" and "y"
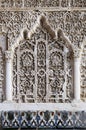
{"x": 67, "y": 17}
{"x": 62, "y": 36}
{"x": 41, "y": 22}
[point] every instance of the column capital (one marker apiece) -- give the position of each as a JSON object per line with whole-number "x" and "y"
{"x": 8, "y": 55}
{"x": 77, "y": 53}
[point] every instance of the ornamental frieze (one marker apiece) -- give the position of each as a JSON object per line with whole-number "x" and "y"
{"x": 42, "y": 3}
{"x": 43, "y": 119}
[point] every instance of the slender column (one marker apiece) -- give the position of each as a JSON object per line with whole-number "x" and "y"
{"x": 22, "y": 3}
{"x": 77, "y": 59}
{"x": 8, "y": 76}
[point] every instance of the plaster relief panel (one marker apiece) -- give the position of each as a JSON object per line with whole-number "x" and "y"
{"x": 83, "y": 75}
{"x": 42, "y": 70}
{"x": 2, "y": 79}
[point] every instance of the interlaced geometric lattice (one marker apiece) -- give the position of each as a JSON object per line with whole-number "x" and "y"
{"x": 83, "y": 75}
{"x": 42, "y": 70}
{"x": 44, "y": 119}
{"x": 1, "y": 76}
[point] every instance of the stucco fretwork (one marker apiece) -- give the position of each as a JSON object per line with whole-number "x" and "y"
{"x": 42, "y": 70}
{"x": 2, "y": 80}
{"x": 69, "y": 19}
{"x": 42, "y": 3}
{"x": 83, "y": 72}
{"x": 42, "y": 64}
{"x": 72, "y": 23}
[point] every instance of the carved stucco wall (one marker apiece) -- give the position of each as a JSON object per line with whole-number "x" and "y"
{"x": 42, "y": 70}
{"x": 1, "y": 76}
{"x": 83, "y": 74}
{"x": 69, "y": 15}
{"x": 42, "y": 3}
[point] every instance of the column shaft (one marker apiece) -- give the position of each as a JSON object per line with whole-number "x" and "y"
{"x": 8, "y": 76}
{"x": 76, "y": 79}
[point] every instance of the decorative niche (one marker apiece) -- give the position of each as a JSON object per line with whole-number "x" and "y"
{"x": 42, "y": 67}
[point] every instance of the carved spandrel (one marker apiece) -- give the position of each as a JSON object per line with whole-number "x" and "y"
{"x": 73, "y": 26}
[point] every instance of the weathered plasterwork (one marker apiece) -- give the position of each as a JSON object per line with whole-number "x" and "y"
{"x": 69, "y": 15}
{"x": 40, "y": 64}
{"x": 42, "y": 3}
{"x": 72, "y": 23}
{"x": 83, "y": 73}
{"x": 1, "y": 76}
{"x": 35, "y": 31}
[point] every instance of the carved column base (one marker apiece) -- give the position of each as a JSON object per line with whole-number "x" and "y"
{"x": 8, "y": 101}
{"x": 77, "y": 101}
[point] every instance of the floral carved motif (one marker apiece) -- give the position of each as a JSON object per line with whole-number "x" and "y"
{"x": 83, "y": 75}
{"x": 1, "y": 76}
{"x": 39, "y": 70}
{"x": 42, "y": 3}
{"x": 73, "y": 23}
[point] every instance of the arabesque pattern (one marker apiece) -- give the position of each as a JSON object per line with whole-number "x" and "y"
{"x": 69, "y": 15}
{"x": 40, "y": 71}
